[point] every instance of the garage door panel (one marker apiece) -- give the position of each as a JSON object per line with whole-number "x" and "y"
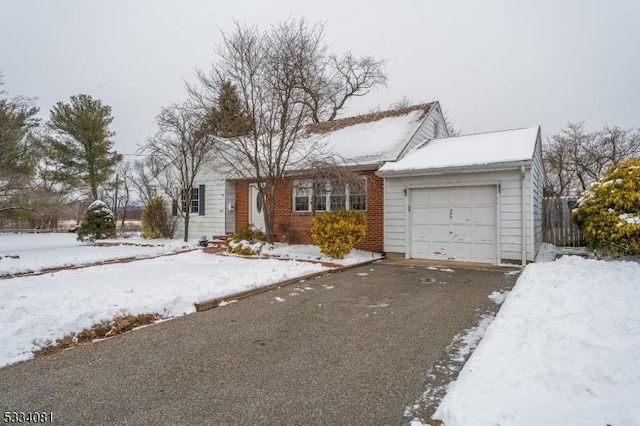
{"x": 439, "y": 233}
{"x": 461, "y": 251}
{"x": 427, "y": 250}
{"x": 438, "y": 197}
{"x": 440, "y": 215}
{"x": 461, "y": 215}
{"x": 421, "y": 215}
{"x": 484, "y": 195}
{"x": 461, "y": 233}
{"x": 461, "y": 197}
{"x": 454, "y": 223}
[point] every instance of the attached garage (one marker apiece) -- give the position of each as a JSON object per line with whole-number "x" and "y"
{"x": 454, "y": 223}
{"x": 475, "y": 198}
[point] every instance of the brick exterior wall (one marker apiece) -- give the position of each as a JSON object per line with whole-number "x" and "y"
{"x": 296, "y": 226}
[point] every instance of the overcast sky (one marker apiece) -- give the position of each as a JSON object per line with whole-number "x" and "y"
{"x": 492, "y": 64}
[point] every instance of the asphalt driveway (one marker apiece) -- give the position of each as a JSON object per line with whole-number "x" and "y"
{"x": 348, "y": 348}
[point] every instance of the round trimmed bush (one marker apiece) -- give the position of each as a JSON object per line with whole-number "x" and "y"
{"x": 608, "y": 213}
{"x": 337, "y": 232}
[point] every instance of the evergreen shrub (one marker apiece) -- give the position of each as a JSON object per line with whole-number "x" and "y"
{"x": 608, "y": 213}
{"x": 338, "y": 231}
{"x": 98, "y": 223}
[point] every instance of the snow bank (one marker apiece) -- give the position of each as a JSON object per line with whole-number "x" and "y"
{"x": 37, "y": 309}
{"x": 564, "y": 349}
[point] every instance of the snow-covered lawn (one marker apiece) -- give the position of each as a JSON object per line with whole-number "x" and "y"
{"x": 37, "y": 309}
{"x": 563, "y": 350}
{"x": 38, "y": 252}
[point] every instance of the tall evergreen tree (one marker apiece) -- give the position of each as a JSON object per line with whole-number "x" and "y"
{"x": 82, "y": 147}
{"x": 18, "y": 149}
{"x": 227, "y": 118}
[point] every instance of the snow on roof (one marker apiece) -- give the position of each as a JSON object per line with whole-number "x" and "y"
{"x": 371, "y": 138}
{"x": 469, "y": 150}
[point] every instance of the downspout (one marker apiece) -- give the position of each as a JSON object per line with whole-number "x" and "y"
{"x": 523, "y": 218}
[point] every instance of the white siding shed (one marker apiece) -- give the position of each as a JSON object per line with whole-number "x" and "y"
{"x": 475, "y": 198}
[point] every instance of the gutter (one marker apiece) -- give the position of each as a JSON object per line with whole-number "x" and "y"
{"x": 487, "y": 167}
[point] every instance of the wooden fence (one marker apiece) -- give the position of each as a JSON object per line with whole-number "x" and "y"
{"x": 557, "y": 227}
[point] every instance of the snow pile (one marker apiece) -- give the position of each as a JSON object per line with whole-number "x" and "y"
{"x": 564, "y": 349}
{"x": 311, "y": 252}
{"x": 36, "y": 252}
{"x": 37, "y": 309}
{"x": 469, "y": 150}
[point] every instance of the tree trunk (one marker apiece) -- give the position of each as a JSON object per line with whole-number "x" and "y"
{"x": 269, "y": 212}
{"x": 186, "y": 227}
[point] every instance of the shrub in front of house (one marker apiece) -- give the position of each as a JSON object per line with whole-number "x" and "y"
{"x": 248, "y": 241}
{"x": 155, "y": 220}
{"x": 608, "y": 213}
{"x": 338, "y": 231}
{"x": 98, "y": 223}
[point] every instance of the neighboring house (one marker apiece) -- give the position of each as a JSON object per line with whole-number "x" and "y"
{"x": 365, "y": 142}
{"x": 474, "y": 198}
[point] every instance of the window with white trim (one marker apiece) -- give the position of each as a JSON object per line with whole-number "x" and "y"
{"x": 194, "y": 200}
{"x": 301, "y": 195}
{"x": 324, "y": 196}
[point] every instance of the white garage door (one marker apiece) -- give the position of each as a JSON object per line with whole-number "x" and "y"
{"x": 454, "y": 223}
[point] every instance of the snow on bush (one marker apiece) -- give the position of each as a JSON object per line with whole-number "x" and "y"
{"x": 608, "y": 213}
{"x": 248, "y": 241}
{"x": 98, "y": 223}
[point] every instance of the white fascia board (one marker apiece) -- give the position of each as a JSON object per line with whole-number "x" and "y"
{"x": 492, "y": 167}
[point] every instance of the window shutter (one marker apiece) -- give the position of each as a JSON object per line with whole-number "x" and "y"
{"x": 174, "y": 208}
{"x": 201, "y": 200}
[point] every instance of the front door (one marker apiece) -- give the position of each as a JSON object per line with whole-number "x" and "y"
{"x": 256, "y": 207}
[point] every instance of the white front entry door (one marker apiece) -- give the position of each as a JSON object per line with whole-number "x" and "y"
{"x": 454, "y": 224}
{"x": 256, "y": 208}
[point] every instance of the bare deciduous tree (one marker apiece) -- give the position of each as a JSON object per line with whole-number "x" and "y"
{"x": 284, "y": 81}
{"x": 181, "y": 148}
{"x": 574, "y": 157}
{"x": 143, "y": 179}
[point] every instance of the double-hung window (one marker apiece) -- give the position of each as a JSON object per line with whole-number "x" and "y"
{"x": 324, "y": 196}
{"x": 195, "y": 204}
{"x": 301, "y": 195}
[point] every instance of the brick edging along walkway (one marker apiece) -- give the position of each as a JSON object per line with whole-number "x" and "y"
{"x": 88, "y": 265}
{"x": 214, "y": 303}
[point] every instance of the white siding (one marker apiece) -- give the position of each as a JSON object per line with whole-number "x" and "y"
{"x": 537, "y": 188}
{"x": 230, "y": 214}
{"x": 509, "y": 209}
{"x": 427, "y": 129}
{"x": 213, "y": 221}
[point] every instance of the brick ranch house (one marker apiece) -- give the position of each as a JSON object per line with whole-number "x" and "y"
{"x": 366, "y": 142}
{"x": 425, "y": 195}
